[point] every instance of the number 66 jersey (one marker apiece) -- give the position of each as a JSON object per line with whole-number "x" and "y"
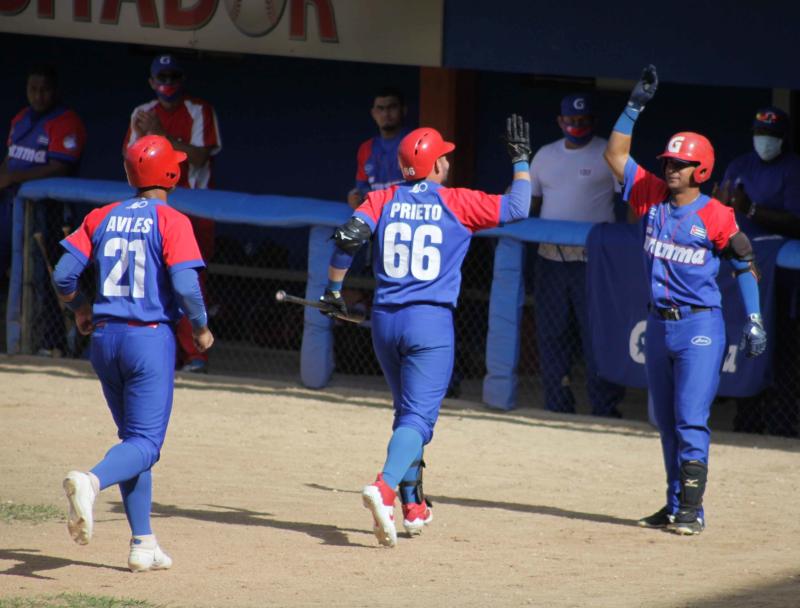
{"x": 135, "y": 245}
{"x": 421, "y": 233}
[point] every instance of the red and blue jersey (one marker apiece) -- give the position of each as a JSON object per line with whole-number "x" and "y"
{"x": 378, "y": 167}
{"x": 35, "y": 139}
{"x": 681, "y": 244}
{"x": 421, "y": 234}
{"x": 134, "y": 245}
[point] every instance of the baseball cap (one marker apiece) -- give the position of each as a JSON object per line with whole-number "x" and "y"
{"x": 576, "y": 104}
{"x": 771, "y": 119}
{"x": 164, "y": 63}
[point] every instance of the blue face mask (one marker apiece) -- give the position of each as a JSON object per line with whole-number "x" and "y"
{"x": 169, "y": 92}
{"x": 767, "y": 147}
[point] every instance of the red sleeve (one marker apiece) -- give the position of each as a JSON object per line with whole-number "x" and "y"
{"x": 372, "y": 207}
{"x": 80, "y": 241}
{"x": 476, "y": 210}
{"x": 364, "y": 150}
{"x": 178, "y": 245}
{"x": 720, "y": 223}
{"x": 642, "y": 189}
{"x": 67, "y": 137}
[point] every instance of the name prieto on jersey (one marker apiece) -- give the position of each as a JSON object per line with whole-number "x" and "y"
{"x": 416, "y": 211}
{"x": 675, "y": 253}
{"x": 127, "y": 224}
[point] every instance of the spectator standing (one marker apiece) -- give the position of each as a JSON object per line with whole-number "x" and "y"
{"x": 190, "y": 124}
{"x": 763, "y": 187}
{"x": 377, "y": 165}
{"x": 570, "y": 180}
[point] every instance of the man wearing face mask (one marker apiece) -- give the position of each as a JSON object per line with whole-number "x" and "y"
{"x": 570, "y": 180}
{"x": 190, "y": 125}
{"x": 763, "y": 187}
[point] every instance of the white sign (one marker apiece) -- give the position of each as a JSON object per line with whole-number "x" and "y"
{"x": 377, "y": 31}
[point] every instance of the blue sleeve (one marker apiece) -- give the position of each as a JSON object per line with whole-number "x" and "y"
{"x": 628, "y": 178}
{"x": 516, "y": 204}
{"x": 341, "y": 259}
{"x": 186, "y": 284}
{"x": 67, "y": 272}
{"x": 791, "y": 192}
{"x": 748, "y": 286}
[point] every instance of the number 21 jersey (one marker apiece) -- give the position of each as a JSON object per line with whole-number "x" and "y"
{"x": 135, "y": 244}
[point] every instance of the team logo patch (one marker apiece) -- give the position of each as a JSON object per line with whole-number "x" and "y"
{"x": 585, "y": 172}
{"x": 43, "y": 140}
{"x": 701, "y": 341}
{"x": 70, "y": 142}
{"x": 698, "y": 231}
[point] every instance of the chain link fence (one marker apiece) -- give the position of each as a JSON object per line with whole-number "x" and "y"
{"x": 258, "y": 337}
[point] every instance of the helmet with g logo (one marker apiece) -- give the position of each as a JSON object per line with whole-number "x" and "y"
{"x": 692, "y": 148}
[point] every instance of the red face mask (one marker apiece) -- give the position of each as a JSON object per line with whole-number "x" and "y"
{"x": 169, "y": 92}
{"x": 579, "y": 132}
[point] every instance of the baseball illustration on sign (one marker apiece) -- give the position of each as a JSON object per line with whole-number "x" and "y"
{"x": 255, "y": 17}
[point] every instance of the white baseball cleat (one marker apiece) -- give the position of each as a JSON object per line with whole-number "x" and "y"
{"x": 144, "y": 557}
{"x": 379, "y": 499}
{"x": 80, "y": 495}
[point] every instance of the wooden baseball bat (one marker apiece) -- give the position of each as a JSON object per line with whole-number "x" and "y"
{"x": 282, "y": 296}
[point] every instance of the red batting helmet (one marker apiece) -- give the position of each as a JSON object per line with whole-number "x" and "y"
{"x": 419, "y": 150}
{"x": 693, "y": 148}
{"x": 152, "y": 161}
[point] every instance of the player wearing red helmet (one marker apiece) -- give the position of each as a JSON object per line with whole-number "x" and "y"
{"x": 146, "y": 261}
{"x": 421, "y": 233}
{"x": 684, "y": 234}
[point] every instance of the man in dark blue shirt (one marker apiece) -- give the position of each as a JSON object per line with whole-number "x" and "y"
{"x": 763, "y": 187}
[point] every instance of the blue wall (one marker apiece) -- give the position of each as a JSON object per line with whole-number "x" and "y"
{"x": 701, "y": 42}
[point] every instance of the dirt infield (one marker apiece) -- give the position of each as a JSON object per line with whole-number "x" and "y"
{"x": 257, "y": 500}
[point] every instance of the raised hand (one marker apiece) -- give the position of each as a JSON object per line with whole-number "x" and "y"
{"x": 644, "y": 90}
{"x": 518, "y": 139}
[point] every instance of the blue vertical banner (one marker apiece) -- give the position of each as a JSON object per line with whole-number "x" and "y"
{"x": 618, "y": 294}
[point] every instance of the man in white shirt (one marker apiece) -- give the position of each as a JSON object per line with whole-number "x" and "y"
{"x": 570, "y": 181}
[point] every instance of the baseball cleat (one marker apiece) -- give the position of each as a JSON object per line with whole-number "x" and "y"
{"x": 660, "y": 519}
{"x": 379, "y": 499}
{"x": 80, "y": 495}
{"x": 687, "y": 523}
{"x": 143, "y": 557}
{"x": 416, "y": 516}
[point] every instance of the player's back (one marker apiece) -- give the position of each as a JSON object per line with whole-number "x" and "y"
{"x": 128, "y": 250}
{"x": 422, "y": 233}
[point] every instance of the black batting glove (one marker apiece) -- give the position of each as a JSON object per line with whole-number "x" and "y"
{"x": 644, "y": 89}
{"x": 518, "y": 139}
{"x": 754, "y": 338}
{"x": 335, "y": 304}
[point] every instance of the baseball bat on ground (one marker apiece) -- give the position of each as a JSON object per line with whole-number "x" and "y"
{"x": 282, "y": 296}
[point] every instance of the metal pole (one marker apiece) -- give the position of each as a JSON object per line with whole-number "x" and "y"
{"x": 27, "y": 281}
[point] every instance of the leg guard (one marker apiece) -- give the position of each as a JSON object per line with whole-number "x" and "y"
{"x": 693, "y": 484}
{"x": 411, "y": 491}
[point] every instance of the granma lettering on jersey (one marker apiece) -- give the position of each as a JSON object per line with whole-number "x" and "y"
{"x": 675, "y": 253}
{"x": 29, "y": 155}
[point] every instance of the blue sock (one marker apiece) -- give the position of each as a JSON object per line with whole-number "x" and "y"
{"x": 137, "y": 496}
{"x": 408, "y": 494}
{"x": 404, "y": 448}
{"x": 122, "y": 462}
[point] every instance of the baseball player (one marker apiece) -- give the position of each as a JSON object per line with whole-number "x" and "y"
{"x": 684, "y": 234}
{"x": 190, "y": 124}
{"x": 146, "y": 261}
{"x": 377, "y": 166}
{"x": 421, "y": 234}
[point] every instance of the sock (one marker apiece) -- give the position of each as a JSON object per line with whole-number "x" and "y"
{"x": 122, "y": 462}
{"x": 146, "y": 541}
{"x": 137, "y": 496}
{"x": 95, "y": 483}
{"x": 409, "y": 493}
{"x": 404, "y": 446}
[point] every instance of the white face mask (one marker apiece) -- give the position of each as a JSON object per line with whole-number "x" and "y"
{"x": 767, "y": 147}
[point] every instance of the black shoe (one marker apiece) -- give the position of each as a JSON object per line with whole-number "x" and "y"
{"x": 661, "y": 519}
{"x": 687, "y": 523}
